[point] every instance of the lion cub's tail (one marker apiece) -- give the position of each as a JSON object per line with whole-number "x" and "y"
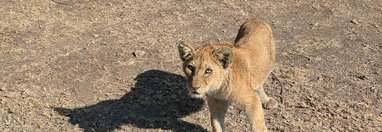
{"x": 256, "y": 34}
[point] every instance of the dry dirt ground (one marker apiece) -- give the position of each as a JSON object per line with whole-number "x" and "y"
{"x": 95, "y": 65}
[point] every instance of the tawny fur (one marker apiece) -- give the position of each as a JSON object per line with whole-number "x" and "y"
{"x": 228, "y": 73}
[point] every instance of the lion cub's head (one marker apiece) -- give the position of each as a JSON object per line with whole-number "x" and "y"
{"x": 205, "y": 68}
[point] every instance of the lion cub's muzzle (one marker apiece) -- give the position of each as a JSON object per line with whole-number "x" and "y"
{"x": 194, "y": 89}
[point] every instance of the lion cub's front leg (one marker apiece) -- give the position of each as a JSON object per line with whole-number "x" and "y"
{"x": 252, "y": 104}
{"x": 218, "y": 108}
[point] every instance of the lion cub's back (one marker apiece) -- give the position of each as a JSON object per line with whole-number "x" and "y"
{"x": 255, "y": 45}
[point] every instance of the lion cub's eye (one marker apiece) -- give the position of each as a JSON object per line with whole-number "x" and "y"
{"x": 190, "y": 67}
{"x": 208, "y": 71}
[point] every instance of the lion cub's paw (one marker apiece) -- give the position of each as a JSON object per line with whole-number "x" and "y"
{"x": 270, "y": 104}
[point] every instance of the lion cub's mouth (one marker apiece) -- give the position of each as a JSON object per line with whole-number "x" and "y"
{"x": 196, "y": 94}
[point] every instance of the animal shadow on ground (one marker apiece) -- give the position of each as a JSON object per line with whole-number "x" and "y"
{"x": 158, "y": 100}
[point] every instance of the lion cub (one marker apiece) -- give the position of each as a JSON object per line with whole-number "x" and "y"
{"x": 231, "y": 72}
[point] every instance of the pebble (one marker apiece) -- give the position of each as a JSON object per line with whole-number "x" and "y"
{"x": 139, "y": 53}
{"x": 362, "y": 77}
{"x": 354, "y": 21}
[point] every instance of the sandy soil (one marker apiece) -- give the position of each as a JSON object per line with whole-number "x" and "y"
{"x": 94, "y": 65}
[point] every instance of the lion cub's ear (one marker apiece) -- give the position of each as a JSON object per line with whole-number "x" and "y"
{"x": 224, "y": 56}
{"x": 185, "y": 51}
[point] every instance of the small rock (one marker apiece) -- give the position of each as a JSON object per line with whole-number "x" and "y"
{"x": 95, "y": 35}
{"x": 363, "y": 77}
{"x": 354, "y": 21}
{"x": 372, "y": 89}
{"x": 139, "y": 53}
{"x": 11, "y": 110}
